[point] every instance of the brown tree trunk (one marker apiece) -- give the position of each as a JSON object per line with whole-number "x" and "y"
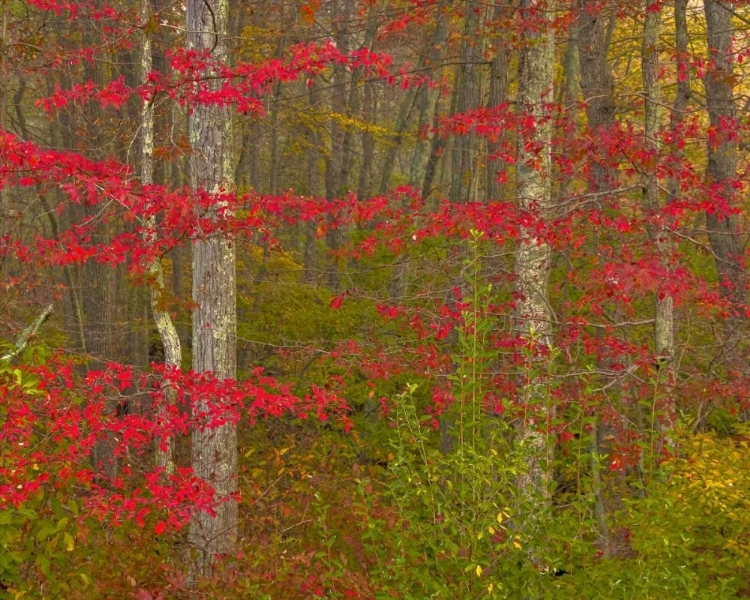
{"x": 594, "y": 31}
{"x": 597, "y": 84}
{"x": 427, "y": 101}
{"x": 315, "y": 187}
{"x": 97, "y": 278}
{"x": 336, "y": 177}
{"x": 468, "y": 96}
{"x": 497, "y": 96}
{"x": 723, "y": 230}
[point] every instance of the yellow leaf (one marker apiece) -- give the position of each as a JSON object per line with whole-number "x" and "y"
{"x": 479, "y": 571}
{"x": 499, "y": 517}
{"x": 491, "y": 530}
{"x": 516, "y": 544}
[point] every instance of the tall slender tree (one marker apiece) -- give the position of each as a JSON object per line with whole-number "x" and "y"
{"x": 664, "y": 314}
{"x": 467, "y": 95}
{"x": 721, "y": 173}
{"x": 214, "y": 448}
{"x": 162, "y": 319}
{"x": 497, "y": 96}
{"x": 532, "y": 268}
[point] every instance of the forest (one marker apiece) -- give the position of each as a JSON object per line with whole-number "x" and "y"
{"x": 374, "y": 299}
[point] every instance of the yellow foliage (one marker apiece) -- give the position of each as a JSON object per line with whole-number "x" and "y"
{"x": 697, "y": 516}
{"x": 350, "y": 122}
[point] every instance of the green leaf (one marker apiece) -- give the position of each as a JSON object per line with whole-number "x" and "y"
{"x": 45, "y": 531}
{"x": 43, "y": 563}
{"x": 30, "y": 380}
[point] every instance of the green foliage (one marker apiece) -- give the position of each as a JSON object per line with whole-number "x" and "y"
{"x": 38, "y": 540}
{"x": 280, "y": 318}
{"x": 691, "y": 531}
{"x": 452, "y": 536}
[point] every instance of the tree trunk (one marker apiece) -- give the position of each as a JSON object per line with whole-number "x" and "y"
{"x": 532, "y": 269}
{"x": 664, "y": 313}
{"x": 723, "y": 232}
{"x": 364, "y": 182}
{"x": 214, "y": 448}
{"x": 594, "y": 31}
{"x": 468, "y": 96}
{"x": 97, "y": 278}
{"x": 597, "y": 85}
{"x": 570, "y": 94}
{"x": 315, "y": 187}
{"x": 428, "y": 99}
{"x": 167, "y": 332}
{"x": 677, "y": 114}
{"x": 336, "y": 178}
{"x": 498, "y": 95}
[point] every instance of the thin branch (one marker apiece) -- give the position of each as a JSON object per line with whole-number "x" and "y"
{"x": 26, "y": 334}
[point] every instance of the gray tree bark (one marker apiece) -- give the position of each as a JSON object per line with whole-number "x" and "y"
{"x": 664, "y": 310}
{"x": 428, "y": 99}
{"x": 214, "y": 449}
{"x": 364, "y": 181}
{"x": 532, "y": 268}
{"x": 336, "y": 174}
{"x": 315, "y": 187}
{"x": 594, "y": 32}
{"x": 97, "y": 278}
{"x": 682, "y": 97}
{"x": 162, "y": 319}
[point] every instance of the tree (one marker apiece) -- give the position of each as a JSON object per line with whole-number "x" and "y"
{"x": 664, "y": 337}
{"x": 558, "y": 308}
{"x": 168, "y": 335}
{"x": 721, "y": 219}
{"x": 214, "y": 448}
{"x": 532, "y": 268}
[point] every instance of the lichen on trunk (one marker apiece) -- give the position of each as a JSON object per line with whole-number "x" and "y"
{"x": 214, "y": 448}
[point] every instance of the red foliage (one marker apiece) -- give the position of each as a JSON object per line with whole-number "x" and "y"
{"x": 611, "y": 268}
